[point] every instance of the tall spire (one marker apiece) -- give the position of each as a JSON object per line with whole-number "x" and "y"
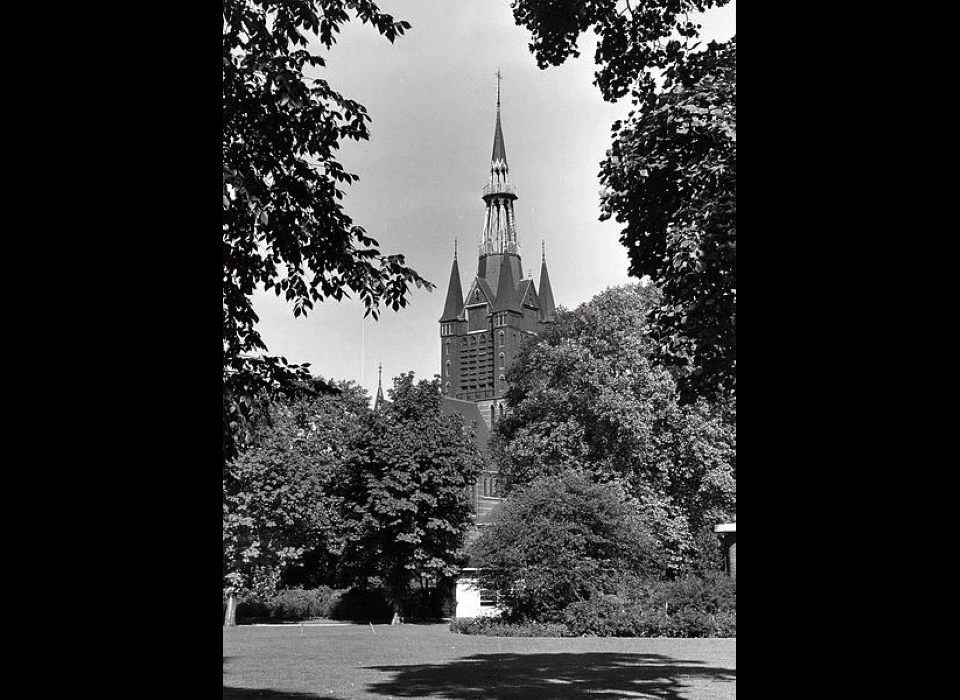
{"x": 548, "y": 305}
{"x": 500, "y": 229}
{"x": 454, "y": 307}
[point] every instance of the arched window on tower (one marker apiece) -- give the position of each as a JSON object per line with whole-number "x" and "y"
{"x": 448, "y": 369}
{"x": 493, "y": 414}
{"x": 503, "y": 339}
{"x": 503, "y": 361}
{"x": 446, "y": 389}
{"x": 501, "y": 411}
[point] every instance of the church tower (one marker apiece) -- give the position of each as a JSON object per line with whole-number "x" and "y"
{"x": 483, "y": 331}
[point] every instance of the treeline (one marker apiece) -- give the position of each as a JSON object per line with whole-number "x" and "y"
{"x": 329, "y": 492}
{"x": 615, "y": 484}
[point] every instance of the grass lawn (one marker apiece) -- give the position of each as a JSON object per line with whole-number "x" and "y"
{"x": 343, "y": 663}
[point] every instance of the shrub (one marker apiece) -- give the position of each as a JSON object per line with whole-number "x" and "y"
{"x": 606, "y": 616}
{"x": 712, "y": 594}
{"x": 292, "y": 605}
{"x": 703, "y": 607}
{"x": 362, "y": 605}
{"x": 496, "y": 627}
{"x": 561, "y": 540}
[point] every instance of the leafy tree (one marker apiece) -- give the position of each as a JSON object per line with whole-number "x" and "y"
{"x": 671, "y": 176}
{"x": 278, "y": 501}
{"x": 562, "y": 540}
{"x": 591, "y": 397}
{"x": 406, "y": 494}
{"x": 672, "y": 180}
{"x": 639, "y": 40}
{"x": 284, "y": 227}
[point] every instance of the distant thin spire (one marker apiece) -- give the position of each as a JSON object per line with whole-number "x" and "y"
{"x": 381, "y": 399}
{"x": 499, "y": 88}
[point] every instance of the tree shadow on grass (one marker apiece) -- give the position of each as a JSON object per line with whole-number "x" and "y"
{"x": 551, "y": 676}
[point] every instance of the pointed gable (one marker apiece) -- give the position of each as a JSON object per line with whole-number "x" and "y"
{"x": 528, "y": 295}
{"x": 485, "y": 291}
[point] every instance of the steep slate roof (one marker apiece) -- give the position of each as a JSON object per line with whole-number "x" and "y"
{"x": 548, "y": 305}
{"x": 472, "y": 419}
{"x": 507, "y": 298}
{"x": 454, "y": 308}
{"x": 499, "y": 143}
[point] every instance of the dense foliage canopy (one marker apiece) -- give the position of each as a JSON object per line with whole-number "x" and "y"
{"x": 591, "y": 397}
{"x": 671, "y": 176}
{"x": 284, "y": 226}
{"x": 278, "y": 495}
{"x": 671, "y": 179}
{"x": 332, "y": 492}
{"x": 405, "y": 488}
{"x": 638, "y": 40}
{"x": 562, "y": 540}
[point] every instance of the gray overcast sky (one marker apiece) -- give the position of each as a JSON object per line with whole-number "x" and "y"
{"x": 432, "y": 97}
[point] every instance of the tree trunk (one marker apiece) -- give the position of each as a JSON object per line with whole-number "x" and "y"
{"x": 230, "y": 619}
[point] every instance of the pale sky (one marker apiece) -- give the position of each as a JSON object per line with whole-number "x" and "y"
{"x": 432, "y": 97}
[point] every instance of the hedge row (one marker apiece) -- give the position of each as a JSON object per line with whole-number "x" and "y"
{"x": 496, "y": 627}
{"x": 687, "y": 625}
{"x": 693, "y": 608}
{"x": 297, "y": 605}
{"x": 289, "y": 606}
